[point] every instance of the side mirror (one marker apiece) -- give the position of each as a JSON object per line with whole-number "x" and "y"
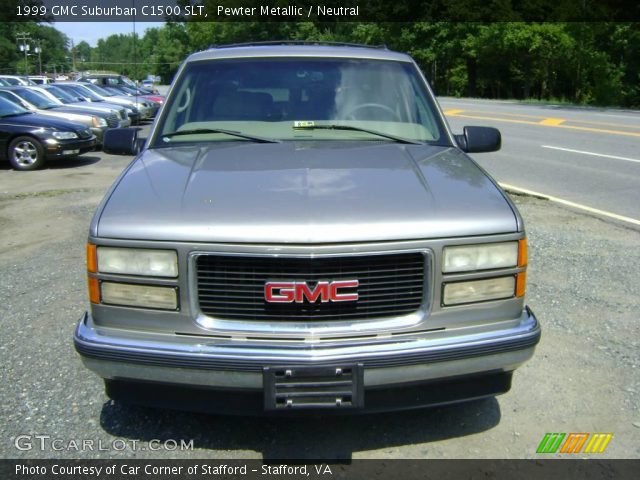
{"x": 122, "y": 141}
{"x": 480, "y": 139}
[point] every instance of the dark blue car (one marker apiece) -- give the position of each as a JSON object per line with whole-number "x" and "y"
{"x": 29, "y": 139}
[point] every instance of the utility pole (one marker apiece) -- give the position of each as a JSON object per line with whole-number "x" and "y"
{"x": 22, "y": 38}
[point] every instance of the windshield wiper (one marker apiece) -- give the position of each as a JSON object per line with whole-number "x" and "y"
{"x": 196, "y": 131}
{"x": 313, "y": 126}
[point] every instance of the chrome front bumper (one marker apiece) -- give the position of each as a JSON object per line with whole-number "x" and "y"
{"x": 115, "y": 354}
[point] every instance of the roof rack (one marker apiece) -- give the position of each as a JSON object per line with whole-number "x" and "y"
{"x": 298, "y": 42}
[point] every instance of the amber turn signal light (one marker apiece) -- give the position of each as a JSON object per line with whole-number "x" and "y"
{"x": 522, "y": 252}
{"x": 94, "y": 290}
{"x": 92, "y": 258}
{"x": 521, "y": 284}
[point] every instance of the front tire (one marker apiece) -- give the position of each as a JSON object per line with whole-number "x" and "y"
{"x": 26, "y": 153}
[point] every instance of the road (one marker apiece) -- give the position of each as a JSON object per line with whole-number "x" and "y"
{"x": 584, "y": 376}
{"x": 587, "y": 156}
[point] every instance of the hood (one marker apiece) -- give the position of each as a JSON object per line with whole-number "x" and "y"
{"x": 87, "y": 109}
{"x": 66, "y": 114}
{"x": 315, "y": 192}
{"x": 118, "y": 100}
{"x": 37, "y": 120}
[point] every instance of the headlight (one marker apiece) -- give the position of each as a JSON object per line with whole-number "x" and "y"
{"x": 98, "y": 122}
{"x": 467, "y": 258}
{"x": 138, "y": 261}
{"x": 145, "y": 296}
{"x": 479, "y": 290}
{"x": 64, "y": 135}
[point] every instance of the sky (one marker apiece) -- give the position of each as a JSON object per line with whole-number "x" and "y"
{"x": 91, "y": 32}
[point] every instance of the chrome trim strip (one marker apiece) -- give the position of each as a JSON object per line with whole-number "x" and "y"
{"x": 96, "y": 343}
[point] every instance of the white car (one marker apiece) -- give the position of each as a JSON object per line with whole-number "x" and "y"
{"x": 40, "y": 79}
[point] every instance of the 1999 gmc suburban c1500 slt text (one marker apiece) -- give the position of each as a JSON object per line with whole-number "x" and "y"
{"x": 302, "y": 231}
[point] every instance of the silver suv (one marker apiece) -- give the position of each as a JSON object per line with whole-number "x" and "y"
{"x": 301, "y": 231}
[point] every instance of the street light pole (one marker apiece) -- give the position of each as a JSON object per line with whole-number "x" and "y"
{"x": 24, "y": 47}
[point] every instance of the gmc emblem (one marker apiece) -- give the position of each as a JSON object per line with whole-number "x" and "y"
{"x": 299, "y": 292}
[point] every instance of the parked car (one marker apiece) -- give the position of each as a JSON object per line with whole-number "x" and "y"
{"x": 301, "y": 231}
{"x": 107, "y": 79}
{"x": 28, "y": 140}
{"x": 40, "y": 79}
{"x": 142, "y": 106}
{"x": 83, "y": 94}
{"x": 150, "y": 85}
{"x": 114, "y": 80}
{"x": 16, "y": 80}
{"x": 115, "y": 117}
{"x": 146, "y": 93}
{"x": 38, "y": 102}
{"x": 140, "y": 92}
{"x": 151, "y": 105}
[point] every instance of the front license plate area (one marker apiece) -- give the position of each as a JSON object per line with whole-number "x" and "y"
{"x": 294, "y": 388}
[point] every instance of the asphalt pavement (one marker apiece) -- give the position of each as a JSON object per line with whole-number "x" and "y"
{"x": 588, "y": 156}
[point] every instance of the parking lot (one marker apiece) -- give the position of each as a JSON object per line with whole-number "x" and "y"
{"x": 585, "y": 376}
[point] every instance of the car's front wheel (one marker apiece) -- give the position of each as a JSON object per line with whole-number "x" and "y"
{"x": 26, "y": 153}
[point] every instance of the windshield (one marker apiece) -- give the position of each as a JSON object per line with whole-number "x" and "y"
{"x": 128, "y": 81}
{"x": 11, "y": 81}
{"x": 128, "y": 90}
{"x": 83, "y": 92}
{"x": 97, "y": 90}
{"x": 267, "y": 97}
{"x": 8, "y": 108}
{"x": 112, "y": 90}
{"x": 37, "y": 99}
{"x": 61, "y": 95}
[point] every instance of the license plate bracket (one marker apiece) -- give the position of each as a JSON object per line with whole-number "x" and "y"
{"x": 309, "y": 387}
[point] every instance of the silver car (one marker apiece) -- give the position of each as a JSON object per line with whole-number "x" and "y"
{"x": 117, "y": 115}
{"x": 302, "y": 231}
{"x": 144, "y": 107}
{"x": 82, "y": 94}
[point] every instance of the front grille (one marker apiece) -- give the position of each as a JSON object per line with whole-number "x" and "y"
{"x": 232, "y": 287}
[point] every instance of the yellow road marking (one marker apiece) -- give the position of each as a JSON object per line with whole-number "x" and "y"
{"x": 552, "y": 121}
{"x": 578, "y": 206}
{"x": 455, "y": 112}
{"x": 570, "y": 127}
{"x": 599, "y": 130}
{"x": 633, "y": 127}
